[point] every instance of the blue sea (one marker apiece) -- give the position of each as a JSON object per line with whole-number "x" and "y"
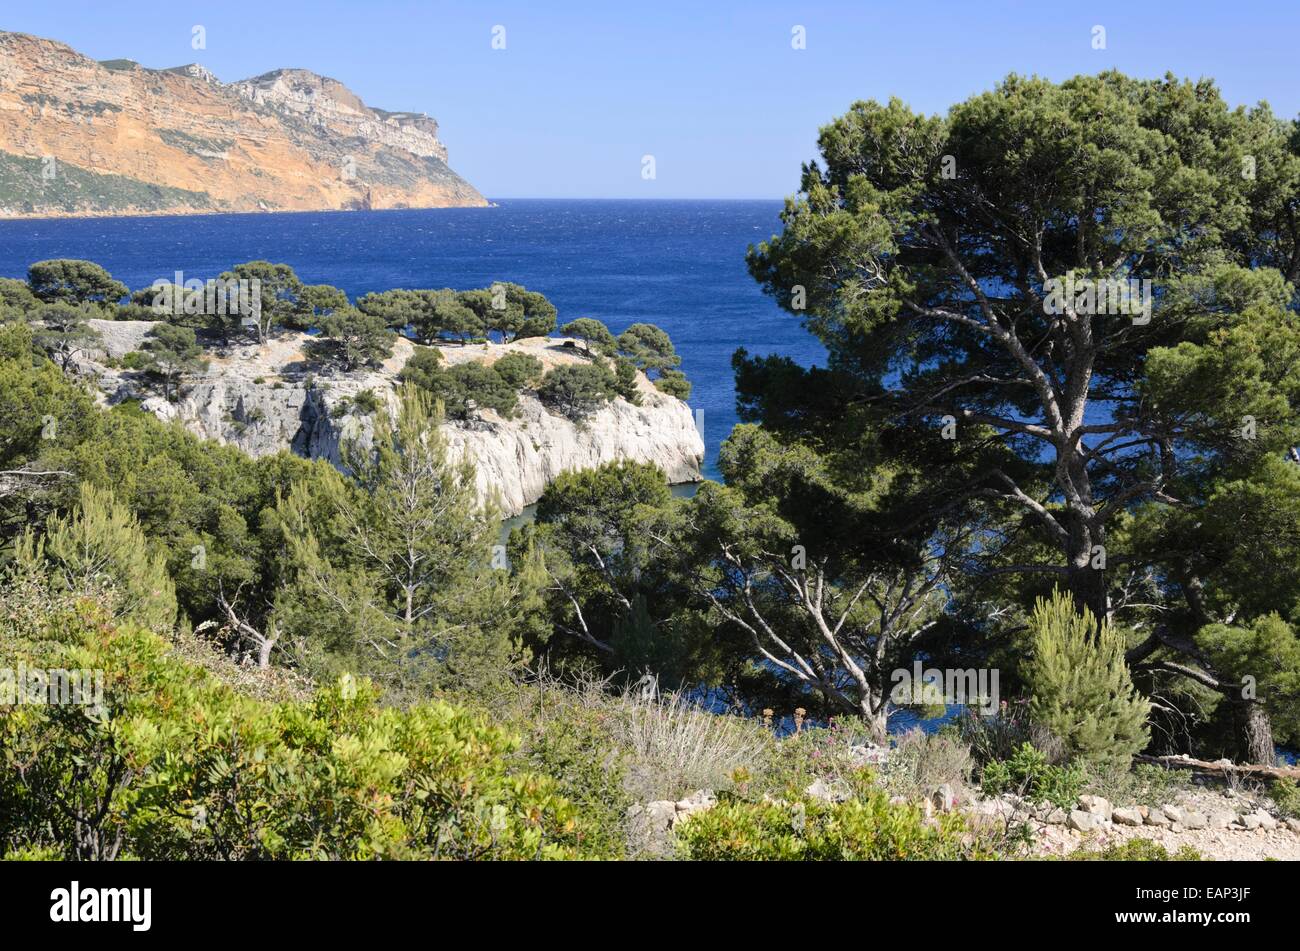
{"x": 677, "y": 264}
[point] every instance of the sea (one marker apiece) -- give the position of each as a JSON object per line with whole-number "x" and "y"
{"x": 677, "y": 264}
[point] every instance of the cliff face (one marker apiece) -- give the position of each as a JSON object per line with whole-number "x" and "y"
{"x": 265, "y": 399}
{"x": 79, "y": 137}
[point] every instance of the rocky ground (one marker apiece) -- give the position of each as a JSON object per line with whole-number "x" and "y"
{"x": 1219, "y": 823}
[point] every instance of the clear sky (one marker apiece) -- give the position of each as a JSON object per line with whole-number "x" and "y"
{"x": 711, "y": 88}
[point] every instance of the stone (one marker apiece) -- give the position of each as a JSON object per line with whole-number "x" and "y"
{"x": 1266, "y": 821}
{"x": 833, "y": 791}
{"x": 1249, "y": 822}
{"x": 1127, "y": 816}
{"x": 1096, "y": 805}
{"x": 868, "y": 755}
{"x": 698, "y": 801}
{"x": 1083, "y": 821}
{"x": 1157, "y": 818}
{"x": 1174, "y": 813}
{"x": 1221, "y": 820}
{"x": 1194, "y": 820}
{"x": 1293, "y": 825}
{"x": 944, "y": 799}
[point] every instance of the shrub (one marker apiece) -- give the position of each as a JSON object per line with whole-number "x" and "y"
{"x": 1146, "y": 784}
{"x": 1080, "y": 686}
{"x": 519, "y": 370}
{"x": 576, "y": 390}
{"x": 175, "y": 765}
{"x": 1136, "y": 850}
{"x": 1285, "y": 794}
{"x": 459, "y": 386}
{"x": 996, "y": 736}
{"x": 922, "y": 762}
{"x": 674, "y": 383}
{"x": 1028, "y": 773}
{"x": 675, "y": 747}
{"x": 864, "y": 829}
{"x": 595, "y": 336}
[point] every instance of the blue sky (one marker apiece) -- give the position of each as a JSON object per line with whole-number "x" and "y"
{"x": 713, "y": 90}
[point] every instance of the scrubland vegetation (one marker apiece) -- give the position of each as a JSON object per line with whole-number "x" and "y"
{"x": 1095, "y": 495}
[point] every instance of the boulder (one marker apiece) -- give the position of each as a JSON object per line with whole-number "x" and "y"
{"x": 1083, "y": 821}
{"x": 944, "y": 798}
{"x": 1174, "y": 813}
{"x": 698, "y": 801}
{"x": 1097, "y": 806}
{"x": 1293, "y": 825}
{"x": 1194, "y": 820}
{"x": 868, "y": 755}
{"x": 832, "y": 791}
{"x": 1128, "y": 816}
{"x": 1157, "y": 818}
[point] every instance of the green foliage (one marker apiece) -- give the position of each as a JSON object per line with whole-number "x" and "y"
{"x": 100, "y": 550}
{"x": 860, "y": 829}
{"x": 430, "y": 315}
{"x": 174, "y": 765}
{"x": 282, "y": 298}
{"x": 511, "y": 310}
{"x": 1080, "y": 687}
{"x": 1285, "y": 793}
{"x": 600, "y": 536}
{"x": 595, "y": 336}
{"x": 1136, "y": 850}
{"x": 519, "y": 370}
{"x": 648, "y": 347}
{"x": 625, "y": 381}
{"x": 63, "y": 329}
{"x": 577, "y": 390}
{"x": 1028, "y": 773}
{"x": 389, "y": 571}
{"x": 318, "y": 301}
{"x": 74, "y": 282}
{"x": 466, "y": 387}
{"x": 172, "y": 352}
{"x": 77, "y": 190}
{"x": 674, "y": 383}
{"x": 352, "y": 338}
{"x": 1265, "y": 654}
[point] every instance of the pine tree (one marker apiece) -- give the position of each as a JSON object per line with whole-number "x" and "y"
{"x": 390, "y": 571}
{"x": 99, "y": 550}
{"x": 1080, "y": 687}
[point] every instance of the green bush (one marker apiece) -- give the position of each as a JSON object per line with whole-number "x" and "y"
{"x": 1136, "y": 850}
{"x": 861, "y": 829}
{"x": 519, "y": 370}
{"x": 173, "y": 764}
{"x": 1080, "y": 687}
{"x": 576, "y": 390}
{"x": 461, "y": 385}
{"x": 1285, "y": 794}
{"x": 1028, "y": 773}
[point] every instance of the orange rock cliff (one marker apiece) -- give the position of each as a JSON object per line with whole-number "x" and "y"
{"x": 80, "y": 137}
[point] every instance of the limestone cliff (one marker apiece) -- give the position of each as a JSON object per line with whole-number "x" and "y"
{"x": 266, "y": 398}
{"x": 78, "y": 137}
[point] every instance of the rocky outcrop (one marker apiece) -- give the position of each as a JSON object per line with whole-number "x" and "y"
{"x": 268, "y": 398}
{"x": 79, "y": 137}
